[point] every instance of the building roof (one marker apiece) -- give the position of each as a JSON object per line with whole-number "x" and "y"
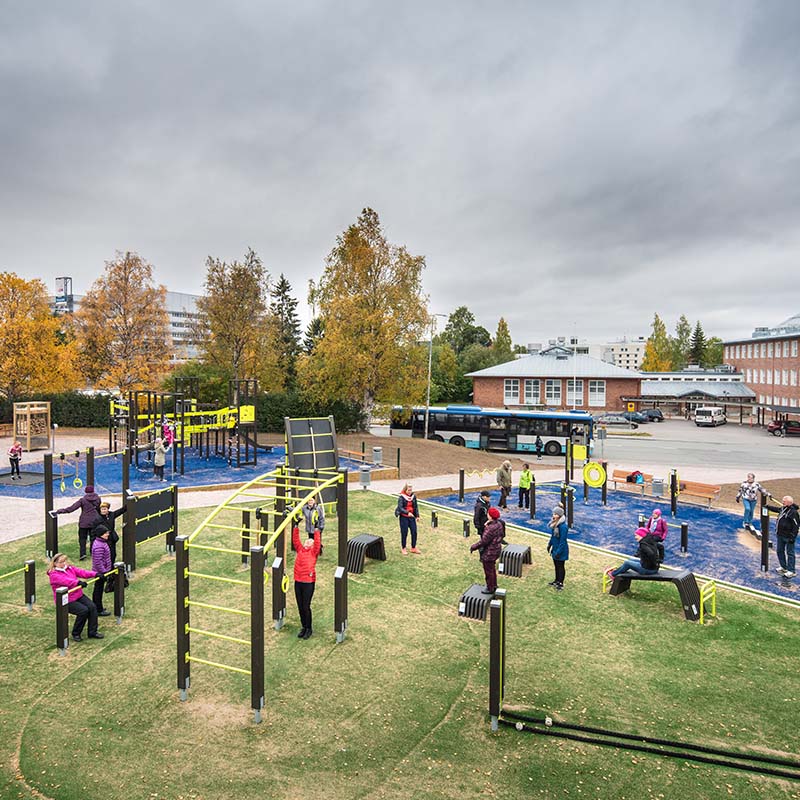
{"x": 789, "y": 327}
{"x": 555, "y": 364}
{"x": 717, "y": 389}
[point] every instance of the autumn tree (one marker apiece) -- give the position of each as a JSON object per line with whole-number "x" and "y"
{"x": 314, "y": 333}
{"x": 235, "y": 330}
{"x": 34, "y": 354}
{"x": 444, "y": 373}
{"x": 681, "y": 343}
{"x": 502, "y": 347}
{"x": 658, "y": 350}
{"x": 284, "y": 311}
{"x": 370, "y": 299}
{"x": 122, "y": 328}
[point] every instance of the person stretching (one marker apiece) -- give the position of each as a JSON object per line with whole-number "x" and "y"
{"x": 89, "y": 505}
{"x": 489, "y": 546}
{"x": 314, "y": 516}
{"x": 62, "y": 573}
{"x": 407, "y": 512}
{"x": 305, "y": 577}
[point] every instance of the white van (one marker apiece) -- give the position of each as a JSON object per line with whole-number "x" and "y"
{"x": 709, "y": 415}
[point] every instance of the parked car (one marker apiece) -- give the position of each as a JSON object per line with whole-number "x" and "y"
{"x": 615, "y": 419}
{"x": 653, "y": 414}
{"x": 633, "y": 416}
{"x": 792, "y": 427}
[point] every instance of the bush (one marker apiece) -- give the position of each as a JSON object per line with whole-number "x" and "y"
{"x": 67, "y": 409}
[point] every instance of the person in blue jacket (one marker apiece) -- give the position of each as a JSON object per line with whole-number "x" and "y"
{"x": 558, "y": 546}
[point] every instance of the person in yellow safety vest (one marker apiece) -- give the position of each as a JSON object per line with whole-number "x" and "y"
{"x": 525, "y": 479}
{"x": 314, "y": 516}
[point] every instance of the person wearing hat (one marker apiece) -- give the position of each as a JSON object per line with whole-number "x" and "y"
{"x": 657, "y": 525}
{"x": 648, "y": 557}
{"x": 489, "y": 547}
{"x": 558, "y": 546}
{"x": 108, "y": 519}
{"x": 480, "y": 514}
{"x": 305, "y": 576}
{"x": 101, "y": 564}
{"x": 89, "y": 505}
{"x": 504, "y": 481}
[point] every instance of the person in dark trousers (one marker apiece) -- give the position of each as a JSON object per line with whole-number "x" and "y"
{"x": 786, "y": 527}
{"x": 539, "y": 446}
{"x": 159, "y": 458}
{"x": 14, "y": 456}
{"x": 558, "y": 546}
{"x": 504, "y": 479}
{"x": 407, "y": 512}
{"x": 489, "y": 546}
{"x": 108, "y": 519}
{"x": 89, "y": 505}
{"x": 647, "y": 563}
{"x": 314, "y": 516}
{"x": 657, "y": 525}
{"x": 480, "y": 514}
{"x": 101, "y": 564}
{"x": 305, "y": 577}
{"x": 525, "y": 480}
{"x": 62, "y": 573}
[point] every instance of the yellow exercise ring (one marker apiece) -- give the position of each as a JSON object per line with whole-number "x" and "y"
{"x": 285, "y": 583}
{"x": 594, "y": 475}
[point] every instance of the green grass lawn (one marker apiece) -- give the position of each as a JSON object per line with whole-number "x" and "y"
{"x": 399, "y": 710}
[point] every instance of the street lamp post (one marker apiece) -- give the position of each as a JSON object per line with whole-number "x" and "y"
{"x": 430, "y": 362}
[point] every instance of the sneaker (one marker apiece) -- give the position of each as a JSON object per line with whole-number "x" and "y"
{"x": 416, "y": 550}
{"x": 552, "y": 583}
{"x": 97, "y": 635}
{"x": 609, "y": 571}
{"x": 487, "y": 590}
{"x": 82, "y": 558}
{"x": 307, "y": 634}
{"x": 404, "y": 551}
{"x": 789, "y": 574}
{"x": 559, "y": 587}
{"x": 780, "y": 570}
{"x": 104, "y": 613}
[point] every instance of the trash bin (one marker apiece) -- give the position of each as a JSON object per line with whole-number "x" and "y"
{"x": 658, "y": 487}
{"x": 377, "y": 456}
{"x": 364, "y": 476}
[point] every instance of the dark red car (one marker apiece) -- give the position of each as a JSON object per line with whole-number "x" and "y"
{"x": 790, "y": 426}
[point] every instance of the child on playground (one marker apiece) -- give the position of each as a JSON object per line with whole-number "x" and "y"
{"x": 14, "y": 457}
{"x": 89, "y": 505}
{"x": 314, "y": 516}
{"x": 101, "y": 564}
{"x": 558, "y": 546}
{"x": 407, "y": 512}
{"x": 525, "y": 480}
{"x": 159, "y": 458}
{"x": 62, "y": 573}
{"x": 305, "y": 576}
{"x": 489, "y": 546}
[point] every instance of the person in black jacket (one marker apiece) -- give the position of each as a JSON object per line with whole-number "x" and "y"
{"x": 490, "y": 547}
{"x": 786, "y": 527}
{"x": 480, "y": 514}
{"x": 108, "y": 519}
{"x": 648, "y": 557}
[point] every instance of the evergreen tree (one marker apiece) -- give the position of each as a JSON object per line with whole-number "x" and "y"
{"x": 284, "y": 309}
{"x": 697, "y": 347}
{"x": 315, "y": 330}
{"x": 658, "y": 350}
{"x": 681, "y": 343}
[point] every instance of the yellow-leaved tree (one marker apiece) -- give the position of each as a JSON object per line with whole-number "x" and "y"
{"x": 122, "y": 327}
{"x": 374, "y": 317}
{"x": 34, "y": 354}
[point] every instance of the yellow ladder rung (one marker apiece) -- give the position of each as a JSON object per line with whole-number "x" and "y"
{"x": 218, "y": 577}
{"x": 218, "y": 665}
{"x": 218, "y": 635}
{"x": 198, "y": 604}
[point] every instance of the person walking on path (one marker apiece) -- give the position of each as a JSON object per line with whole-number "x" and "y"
{"x": 525, "y": 480}
{"x": 159, "y": 458}
{"x": 305, "y": 577}
{"x": 748, "y": 493}
{"x": 62, "y": 573}
{"x": 504, "y": 481}
{"x": 14, "y": 457}
{"x": 480, "y": 514}
{"x": 108, "y": 520}
{"x": 647, "y": 563}
{"x": 490, "y": 546}
{"x": 558, "y": 546}
{"x": 408, "y": 513}
{"x": 89, "y": 505}
{"x": 539, "y": 445}
{"x": 101, "y": 564}
{"x": 314, "y": 516}
{"x": 786, "y": 528}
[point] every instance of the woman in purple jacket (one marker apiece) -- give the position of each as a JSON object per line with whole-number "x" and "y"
{"x": 62, "y": 573}
{"x": 101, "y": 564}
{"x": 490, "y": 546}
{"x": 89, "y": 505}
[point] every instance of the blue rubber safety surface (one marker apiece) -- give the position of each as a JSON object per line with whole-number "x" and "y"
{"x": 714, "y": 547}
{"x": 198, "y": 471}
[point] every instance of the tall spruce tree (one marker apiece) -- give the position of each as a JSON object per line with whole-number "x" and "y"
{"x": 697, "y": 347}
{"x": 284, "y": 309}
{"x": 681, "y": 343}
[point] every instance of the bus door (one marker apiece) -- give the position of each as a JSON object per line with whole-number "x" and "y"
{"x": 494, "y": 434}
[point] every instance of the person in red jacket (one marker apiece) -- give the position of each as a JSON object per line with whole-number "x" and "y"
{"x": 490, "y": 546}
{"x": 305, "y": 577}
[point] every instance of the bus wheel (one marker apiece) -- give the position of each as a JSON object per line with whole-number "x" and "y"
{"x": 434, "y": 437}
{"x": 553, "y": 448}
{"x": 457, "y": 441}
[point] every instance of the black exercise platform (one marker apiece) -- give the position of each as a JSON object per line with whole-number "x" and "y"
{"x": 683, "y": 579}
{"x": 474, "y": 604}
{"x": 25, "y": 478}
{"x": 512, "y": 558}
{"x": 364, "y": 545}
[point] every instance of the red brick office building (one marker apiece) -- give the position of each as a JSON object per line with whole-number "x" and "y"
{"x": 555, "y": 378}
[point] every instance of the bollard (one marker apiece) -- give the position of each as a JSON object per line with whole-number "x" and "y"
{"x": 278, "y": 593}
{"x": 570, "y": 506}
{"x": 461, "y": 486}
{"x": 673, "y": 493}
{"x": 567, "y": 454}
{"x": 684, "y": 538}
{"x": 466, "y": 528}
{"x": 434, "y": 519}
{"x": 398, "y": 462}
{"x": 128, "y": 534}
{"x": 341, "y": 517}
{"x": 585, "y": 493}
{"x": 62, "y": 620}
{"x": 30, "y": 583}
{"x": 764, "y": 539}
{"x": 90, "y": 466}
{"x": 340, "y": 603}
{"x": 497, "y": 625}
{"x": 533, "y": 499}
{"x": 257, "y": 631}
{"x": 604, "y": 488}
{"x": 50, "y": 521}
{"x": 564, "y": 496}
{"x": 119, "y": 591}
{"x": 182, "y": 613}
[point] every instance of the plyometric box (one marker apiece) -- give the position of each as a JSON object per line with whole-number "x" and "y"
{"x": 311, "y": 451}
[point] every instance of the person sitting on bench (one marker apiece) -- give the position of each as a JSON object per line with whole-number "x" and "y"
{"x": 648, "y": 557}
{"x": 658, "y": 527}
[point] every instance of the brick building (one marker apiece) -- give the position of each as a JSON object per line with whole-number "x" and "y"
{"x": 555, "y": 378}
{"x": 770, "y": 363}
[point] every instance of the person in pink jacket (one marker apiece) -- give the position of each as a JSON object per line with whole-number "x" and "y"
{"x": 657, "y": 526}
{"x": 62, "y": 573}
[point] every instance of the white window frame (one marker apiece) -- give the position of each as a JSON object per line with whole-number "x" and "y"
{"x": 769, "y": 377}
{"x": 769, "y": 349}
{"x": 792, "y": 377}
{"x": 786, "y": 348}
{"x": 761, "y": 376}
{"x": 748, "y": 375}
{"x": 777, "y": 377}
{"x": 552, "y": 391}
{"x": 574, "y": 386}
{"x": 749, "y": 351}
{"x": 532, "y": 398}
{"x": 511, "y": 391}
{"x": 785, "y": 380}
{"x": 794, "y": 347}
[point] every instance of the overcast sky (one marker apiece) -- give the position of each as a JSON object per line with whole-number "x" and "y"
{"x": 571, "y": 166}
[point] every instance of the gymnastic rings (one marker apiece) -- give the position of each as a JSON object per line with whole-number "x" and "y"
{"x": 594, "y": 475}
{"x": 285, "y": 583}
{"x": 77, "y": 483}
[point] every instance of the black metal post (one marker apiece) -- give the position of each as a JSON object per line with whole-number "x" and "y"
{"x": 280, "y": 512}
{"x": 533, "y": 499}
{"x": 461, "y": 486}
{"x": 129, "y": 533}
{"x": 257, "y": 631}
{"x": 398, "y": 463}
{"x": 278, "y": 593}
{"x": 90, "y": 466}
{"x": 245, "y": 535}
{"x": 571, "y": 448}
{"x": 567, "y": 453}
{"x": 585, "y": 492}
{"x": 684, "y": 538}
{"x": 340, "y": 603}
{"x": 564, "y": 496}
{"x": 434, "y": 519}
{"x": 62, "y": 620}
{"x": 341, "y": 517}
{"x": 30, "y": 583}
{"x": 764, "y": 539}
{"x": 182, "y": 613}
{"x": 570, "y": 506}
{"x": 50, "y": 521}
{"x": 466, "y": 528}
{"x": 170, "y": 537}
{"x": 673, "y": 493}
{"x": 119, "y": 591}
{"x": 496, "y": 665}
{"x": 604, "y": 487}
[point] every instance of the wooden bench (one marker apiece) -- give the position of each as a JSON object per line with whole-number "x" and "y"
{"x": 364, "y": 546}
{"x": 621, "y": 476}
{"x": 512, "y": 558}
{"x": 705, "y": 491}
{"x": 683, "y": 579}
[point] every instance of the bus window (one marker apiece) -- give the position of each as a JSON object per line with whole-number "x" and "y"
{"x": 497, "y": 423}
{"x": 562, "y": 428}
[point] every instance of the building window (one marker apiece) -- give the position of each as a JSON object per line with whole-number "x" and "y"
{"x": 532, "y": 392}
{"x": 786, "y": 349}
{"x": 763, "y": 349}
{"x": 749, "y": 351}
{"x": 511, "y": 391}
{"x": 552, "y": 392}
{"x": 761, "y": 376}
{"x": 793, "y": 377}
{"x": 575, "y": 392}
{"x": 793, "y": 402}
{"x": 769, "y": 376}
{"x": 785, "y": 377}
{"x": 777, "y": 377}
{"x": 794, "y": 347}
{"x": 597, "y": 394}
{"x": 748, "y": 375}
